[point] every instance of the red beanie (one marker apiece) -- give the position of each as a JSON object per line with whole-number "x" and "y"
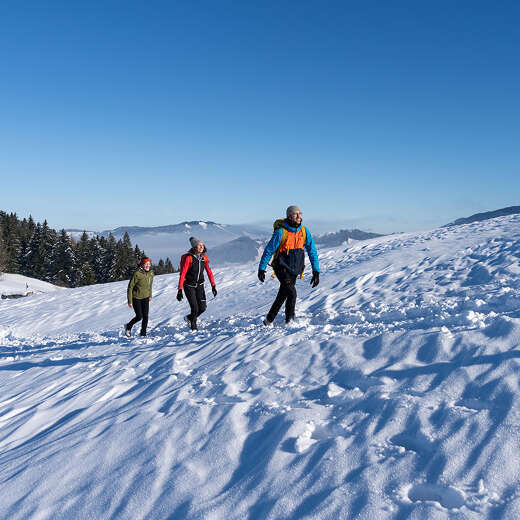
{"x": 144, "y": 260}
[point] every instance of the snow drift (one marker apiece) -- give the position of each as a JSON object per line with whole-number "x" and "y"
{"x": 395, "y": 395}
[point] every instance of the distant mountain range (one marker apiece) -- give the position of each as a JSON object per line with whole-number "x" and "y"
{"x": 511, "y": 210}
{"x": 343, "y": 235}
{"x": 225, "y": 243}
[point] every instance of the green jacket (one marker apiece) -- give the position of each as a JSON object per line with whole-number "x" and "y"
{"x": 140, "y": 285}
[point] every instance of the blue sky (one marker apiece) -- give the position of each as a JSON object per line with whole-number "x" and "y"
{"x": 384, "y": 115}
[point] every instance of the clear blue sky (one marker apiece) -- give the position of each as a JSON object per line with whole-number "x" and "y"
{"x": 388, "y": 115}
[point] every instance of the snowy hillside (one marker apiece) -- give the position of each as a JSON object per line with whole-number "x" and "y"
{"x": 395, "y": 395}
{"x": 15, "y": 284}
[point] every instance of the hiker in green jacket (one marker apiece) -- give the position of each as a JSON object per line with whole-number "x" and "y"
{"x": 139, "y": 295}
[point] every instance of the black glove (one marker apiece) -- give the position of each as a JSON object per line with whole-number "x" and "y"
{"x": 179, "y": 295}
{"x": 315, "y": 279}
{"x": 261, "y": 275}
{"x": 214, "y": 290}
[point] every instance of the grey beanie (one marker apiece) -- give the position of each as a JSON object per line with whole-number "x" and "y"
{"x": 195, "y": 241}
{"x": 291, "y": 210}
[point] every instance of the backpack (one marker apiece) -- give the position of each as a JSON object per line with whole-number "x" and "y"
{"x": 277, "y": 224}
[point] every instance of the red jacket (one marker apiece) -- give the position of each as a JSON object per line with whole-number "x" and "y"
{"x": 192, "y": 268}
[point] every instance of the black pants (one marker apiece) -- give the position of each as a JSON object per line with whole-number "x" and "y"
{"x": 286, "y": 293}
{"x": 141, "y": 308}
{"x": 197, "y": 299}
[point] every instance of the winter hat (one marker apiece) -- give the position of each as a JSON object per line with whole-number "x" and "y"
{"x": 195, "y": 241}
{"x": 291, "y": 210}
{"x": 144, "y": 260}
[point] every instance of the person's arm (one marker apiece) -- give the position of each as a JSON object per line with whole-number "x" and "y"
{"x": 310, "y": 246}
{"x": 208, "y": 270}
{"x": 186, "y": 262}
{"x": 270, "y": 249}
{"x": 151, "y": 283}
{"x": 131, "y": 284}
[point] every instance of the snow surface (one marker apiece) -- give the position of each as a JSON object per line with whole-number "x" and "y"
{"x": 395, "y": 395}
{"x": 18, "y": 284}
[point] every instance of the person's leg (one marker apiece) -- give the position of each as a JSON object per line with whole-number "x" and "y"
{"x": 280, "y": 297}
{"x": 290, "y": 302}
{"x": 191, "y": 296}
{"x": 201, "y": 299}
{"x": 137, "y": 306}
{"x": 145, "y": 307}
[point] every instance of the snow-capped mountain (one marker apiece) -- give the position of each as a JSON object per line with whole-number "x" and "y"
{"x": 479, "y": 217}
{"x": 226, "y": 243}
{"x": 394, "y": 395}
{"x": 173, "y": 240}
{"x": 343, "y": 236}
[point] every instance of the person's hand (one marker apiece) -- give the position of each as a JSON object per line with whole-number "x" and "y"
{"x": 315, "y": 279}
{"x": 130, "y": 305}
{"x": 261, "y": 275}
{"x": 214, "y": 290}
{"x": 179, "y": 295}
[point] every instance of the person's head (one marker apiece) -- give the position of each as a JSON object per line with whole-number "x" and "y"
{"x": 197, "y": 245}
{"x": 294, "y": 215}
{"x": 146, "y": 264}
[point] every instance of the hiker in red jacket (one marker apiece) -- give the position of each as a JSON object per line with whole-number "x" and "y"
{"x": 193, "y": 265}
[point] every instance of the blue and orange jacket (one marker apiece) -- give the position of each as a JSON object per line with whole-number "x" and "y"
{"x": 291, "y": 255}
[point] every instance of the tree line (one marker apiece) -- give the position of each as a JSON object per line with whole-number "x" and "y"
{"x": 36, "y": 250}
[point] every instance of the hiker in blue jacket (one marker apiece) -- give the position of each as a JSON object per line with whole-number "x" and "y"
{"x": 287, "y": 244}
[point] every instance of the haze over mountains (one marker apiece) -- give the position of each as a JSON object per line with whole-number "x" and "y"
{"x": 226, "y": 243}
{"x": 239, "y": 243}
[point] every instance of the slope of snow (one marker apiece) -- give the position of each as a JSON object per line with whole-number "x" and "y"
{"x": 18, "y": 284}
{"x": 395, "y": 395}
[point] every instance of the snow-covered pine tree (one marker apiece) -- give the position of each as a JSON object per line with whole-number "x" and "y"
{"x": 86, "y": 275}
{"x": 110, "y": 259}
{"x": 96, "y": 252}
{"x": 85, "y": 261}
{"x": 3, "y": 253}
{"x": 169, "y": 266}
{"x": 159, "y": 268}
{"x": 125, "y": 262}
{"x": 65, "y": 258}
{"x": 48, "y": 246}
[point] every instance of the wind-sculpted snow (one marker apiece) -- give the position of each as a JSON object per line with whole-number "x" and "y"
{"x": 395, "y": 395}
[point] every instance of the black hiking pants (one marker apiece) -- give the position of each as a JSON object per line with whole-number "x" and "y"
{"x": 286, "y": 293}
{"x": 197, "y": 299}
{"x": 141, "y": 307}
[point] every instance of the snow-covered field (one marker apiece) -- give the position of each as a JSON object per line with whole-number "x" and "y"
{"x": 21, "y": 285}
{"x": 396, "y": 395}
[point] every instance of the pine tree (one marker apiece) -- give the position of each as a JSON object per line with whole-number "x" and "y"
{"x": 110, "y": 259}
{"x": 33, "y": 259}
{"x": 169, "y": 266}
{"x": 11, "y": 232}
{"x": 66, "y": 274}
{"x": 125, "y": 262}
{"x": 3, "y": 253}
{"x": 86, "y": 275}
{"x": 96, "y": 258}
{"x": 159, "y": 268}
{"x": 48, "y": 246}
{"x": 138, "y": 254}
